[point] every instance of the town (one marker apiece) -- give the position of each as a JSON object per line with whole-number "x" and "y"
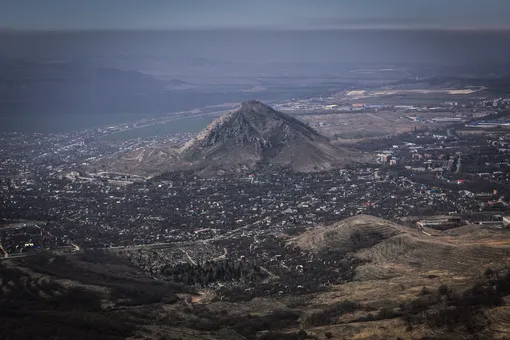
{"x": 48, "y": 201}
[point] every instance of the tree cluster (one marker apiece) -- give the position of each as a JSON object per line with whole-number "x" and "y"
{"x": 210, "y": 272}
{"x": 446, "y": 309}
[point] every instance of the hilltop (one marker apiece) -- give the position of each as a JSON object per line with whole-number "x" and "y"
{"x": 420, "y": 286}
{"x": 392, "y": 250}
{"x": 349, "y": 235}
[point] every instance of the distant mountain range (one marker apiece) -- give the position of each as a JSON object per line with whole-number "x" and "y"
{"x": 255, "y": 135}
{"x": 60, "y": 87}
{"x": 65, "y": 88}
{"x": 177, "y": 84}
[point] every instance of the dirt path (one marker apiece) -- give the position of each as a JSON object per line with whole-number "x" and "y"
{"x": 2, "y": 250}
{"x": 223, "y": 256}
{"x": 273, "y": 276}
{"x": 189, "y": 257}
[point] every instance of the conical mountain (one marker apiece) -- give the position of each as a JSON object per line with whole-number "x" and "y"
{"x": 257, "y": 134}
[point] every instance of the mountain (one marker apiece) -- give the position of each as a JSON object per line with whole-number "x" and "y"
{"x": 62, "y": 87}
{"x": 178, "y": 84}
{"x": 254, "y": 135}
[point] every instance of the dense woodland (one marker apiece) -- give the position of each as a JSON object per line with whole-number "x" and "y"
{"x": 209, "y": 272}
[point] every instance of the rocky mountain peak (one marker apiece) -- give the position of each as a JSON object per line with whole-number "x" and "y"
{"x": 255, "y": 133}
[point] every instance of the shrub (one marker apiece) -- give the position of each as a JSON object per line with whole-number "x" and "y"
{"x": 443, "y": 290}
{"x": 425, "y": 291}
{"x": 387, "y": 313}
{"x": 489, "y": 272}
{"x": 330, "y": 314}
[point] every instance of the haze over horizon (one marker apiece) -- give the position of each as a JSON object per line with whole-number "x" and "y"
{"x": 118, "y": 58}
{"x": 58, "y": 15}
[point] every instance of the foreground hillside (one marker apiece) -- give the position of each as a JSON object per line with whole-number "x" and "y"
{"x": 420, "y": 286}
{"x": 396, "y": 283}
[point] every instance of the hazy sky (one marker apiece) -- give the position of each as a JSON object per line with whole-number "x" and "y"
{"x": 253, "y": 14}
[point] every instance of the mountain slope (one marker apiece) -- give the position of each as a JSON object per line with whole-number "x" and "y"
{"x": 349, "y": 235}
{"x": 389, "y": 250}
{"x": 255, "y": 133}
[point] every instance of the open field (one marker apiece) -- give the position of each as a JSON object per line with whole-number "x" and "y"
{"x": 357, "y": 125}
